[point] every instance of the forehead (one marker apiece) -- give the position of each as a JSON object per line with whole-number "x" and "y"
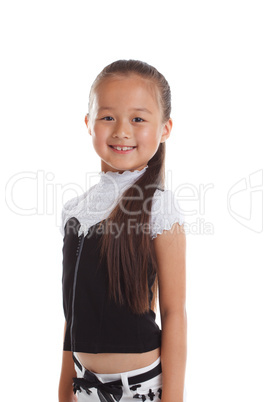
{"x": 126, "y": 89}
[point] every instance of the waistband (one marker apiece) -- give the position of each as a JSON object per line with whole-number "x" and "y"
{"x": 112, "y": 383}
{"x": 117, "y": 376}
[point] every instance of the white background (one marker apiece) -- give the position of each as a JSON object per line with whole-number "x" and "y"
{"x": 214, "y": 55}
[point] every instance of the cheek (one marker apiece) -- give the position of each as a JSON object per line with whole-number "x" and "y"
{"x": 148, "y": 137}
{"x": 98, "y": 143}
{"x": 100, "y": 133}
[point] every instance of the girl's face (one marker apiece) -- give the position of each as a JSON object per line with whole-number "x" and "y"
{"x": 125, "y": 112}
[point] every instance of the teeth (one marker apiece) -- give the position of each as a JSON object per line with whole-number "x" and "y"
{"x": 123, "y": 148}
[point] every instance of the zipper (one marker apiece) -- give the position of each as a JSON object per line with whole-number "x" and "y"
{"x": 78, "y": 254}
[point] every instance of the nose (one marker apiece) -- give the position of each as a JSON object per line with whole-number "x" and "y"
{"x": 122, "y": 130}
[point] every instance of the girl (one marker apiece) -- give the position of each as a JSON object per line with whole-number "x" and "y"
{"x": 123, "y": 241}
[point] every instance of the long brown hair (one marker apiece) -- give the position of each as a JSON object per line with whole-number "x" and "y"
{"x": 131, "y": 258}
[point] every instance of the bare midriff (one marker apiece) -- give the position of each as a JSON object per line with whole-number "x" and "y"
{"x": 110, "y": 363}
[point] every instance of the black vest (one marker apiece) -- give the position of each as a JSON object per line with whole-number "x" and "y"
{"x": 94, "y": 323}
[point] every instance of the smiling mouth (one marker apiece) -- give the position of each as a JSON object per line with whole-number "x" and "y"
{"x": 122, "y": 148}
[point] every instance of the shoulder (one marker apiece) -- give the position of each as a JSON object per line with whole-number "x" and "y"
{"x": 68, "y": 206}
{"x": 165, "y": 212}
{"x": 72, "y": 207}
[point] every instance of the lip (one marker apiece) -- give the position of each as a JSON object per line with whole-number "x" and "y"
{"x": 121, "y": 152}
{"x": 121, "y": 145}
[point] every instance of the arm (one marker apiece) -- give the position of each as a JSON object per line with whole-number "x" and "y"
{"x": 170, "y": 249}
{"x": 67, "y": 373}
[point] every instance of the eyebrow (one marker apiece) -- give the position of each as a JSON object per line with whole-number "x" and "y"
{"x": 139, "y": 109}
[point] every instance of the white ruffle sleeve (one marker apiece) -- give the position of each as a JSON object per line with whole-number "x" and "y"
{"x": 70, "y": 207}
{"x": 165, "y": 212}
{"x": 64, "y": 213}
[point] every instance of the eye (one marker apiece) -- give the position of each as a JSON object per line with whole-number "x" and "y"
{"x": 107, "y": 118}
{"x": 140, "y": 119}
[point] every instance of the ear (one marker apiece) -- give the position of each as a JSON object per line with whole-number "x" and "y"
{"x": 87, "y": 123}
{"x": 166, "y": 130}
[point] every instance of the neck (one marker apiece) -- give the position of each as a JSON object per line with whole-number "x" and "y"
{"x": 107, "y": 168}
{"x": 126, "y": 177}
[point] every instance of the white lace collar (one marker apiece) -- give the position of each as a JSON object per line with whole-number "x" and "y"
{"x": 97, "y": 203}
